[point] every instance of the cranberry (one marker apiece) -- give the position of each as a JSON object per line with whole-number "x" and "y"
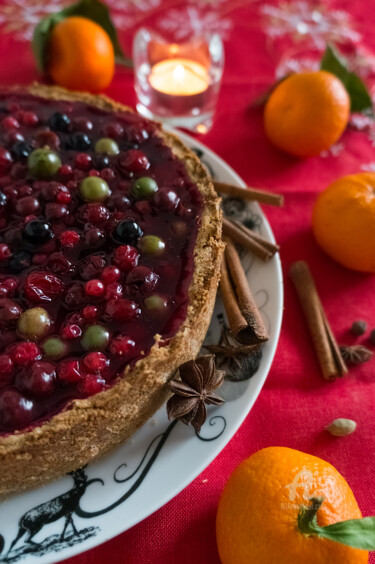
{"x": 122, "y": 345}
{"x": 42, "y": 287}
{"x": 121, "y": 309}
{"x": 126, "y": 257}
{"x": 113, "y": 130}
{"x": 29, "y": 118}
{"x": 38, "y": 380}
{"x": 118, "y": 202}
{"x": 95, "y": 214}
{"x": 141, "y": 280}
{"x": 24, "y": 353}
{"x": 25, "y": 190}
{"x": 66, "y": 170}
{"x": 110, "y": 274}
{"x": 165, "y": 199}
{"x": 82, "y": 124}
{"x": 71, "y": 332}
{"x": 10, "y": 123}
{"x": 27, "y": 205}
{"x": 74, "y": 295}
{"x": 5, "y": 160}
{"x": 58, "y": 263}
{"x": 95, "y": 362}
{"x": 56, "y": 211}
{"x": 47, "y": 139}
{"x": 94, "y": 237}
{"x": 5, "y": 252}
{"x": 94, "y": 288}
{"x": 8, "y": 287}
{"x": 113, "y": 290}
{"x": 16, "y": 411}
{"x": 69, "y": 371}
{"x": 107, "y": 174}
{"x": 134, "y": 161}
{"x": 83, "y": 160}
{"x": 92, "y": 384}
{"x": 63, "y": 195}
{"x": 69, "y": 239}
{"x": 91, "y": 267}
{"x": 90, "y": 313}
{"x": 9, "y": 312}
{"x": 6, "y": 370}
{"x": 75, "y": 319}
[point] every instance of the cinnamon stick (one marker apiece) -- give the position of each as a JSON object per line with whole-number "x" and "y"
{"x": 326, "y": 347}
{"x": 243, "y": 315}
{"x": 249, "y": 194}
{"x": 248, "y": 239}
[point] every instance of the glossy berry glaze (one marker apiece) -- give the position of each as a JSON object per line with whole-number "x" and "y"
{"x": 98, "y": 223}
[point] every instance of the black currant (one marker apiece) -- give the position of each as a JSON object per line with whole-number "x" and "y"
{"x": 59, "y": 122}
{"x": 22, "y": 150}
{"x": 19, "y": 261}
{"x": 78, "y": 142}
{"x": 37, "y": 232}
{"x": 127, "y": 231}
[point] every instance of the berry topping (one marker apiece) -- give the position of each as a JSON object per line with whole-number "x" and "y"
{"x": 42, "y": 287}
{"x": 34, "y": 324}
{"x": 91, "y": 267}
{"x": 126, "y": 257}
{"x": 127, "y": 231}
{"x": 121, "y": 309}
{"x": 94, "y": 189}
{"x": 94, "y": 288}
{"x": 16, "y": 412}
{"x": 37, "y": 232}
{"x": 134, "y": 161}
{"x": 141, "y": 280}
{"x": 144, "y": 188}
{"x": 122, "y": 345}
{"x": 21, "y": 149}
{"x": 54, "y": 348}
{"x": 19, "y": 261}
{"x": 166, "y": 199}
{"x": 38, "y": 380}
{"x": 96, "y": 362}
{"x": 95, "y": 338}
{"x": 110, "y": 274}
{"x": 92, "y": 384}
{"x": 107, "y": 146}
{"x": 69, "y": 371}
{"x": 78, "y": 142}
{"x": 151, "y": 245}
{"x": 71, "y": 332}
{"x": 24, "y": 353}
{"x": 43, "y": 163}
{"x": 59, "y": 122}
{"x": 69, "y": 239}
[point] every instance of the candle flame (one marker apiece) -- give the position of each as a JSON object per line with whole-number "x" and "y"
{"x": 179, "y": 73}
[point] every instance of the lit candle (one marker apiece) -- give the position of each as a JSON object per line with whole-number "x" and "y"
{"x": 179, "y": 77}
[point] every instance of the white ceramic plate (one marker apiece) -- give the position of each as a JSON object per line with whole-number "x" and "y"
{"x": 101, "y": 501}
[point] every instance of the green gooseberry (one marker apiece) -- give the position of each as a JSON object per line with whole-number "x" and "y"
{"x": 107, "y": 146}
{"x": 34, "y": 323}
{"x": 54, "y": 347}
{"x": 151, "y": 245}
{"x": 43, "y": 163}
{"x": 94, "y": 189}
{"x": 95, "y": 338}
{"x": 144, "y": 188}
{"x": 155, "y": 303}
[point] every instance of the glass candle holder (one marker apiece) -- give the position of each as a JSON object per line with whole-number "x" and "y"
{"x": 178, "y": 83}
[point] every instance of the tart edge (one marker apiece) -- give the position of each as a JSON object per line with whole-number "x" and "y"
{"x": 91, "y": 427}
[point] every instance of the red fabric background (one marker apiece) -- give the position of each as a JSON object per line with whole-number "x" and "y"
{"x": 296, "y": 403}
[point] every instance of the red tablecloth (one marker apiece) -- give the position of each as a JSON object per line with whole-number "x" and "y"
{"x": 262, "y": 40}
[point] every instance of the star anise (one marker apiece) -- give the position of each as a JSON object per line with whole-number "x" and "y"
{"x": 229, "y": 351}
{"x": 355, "y": 354}
{"x": 199, "y": 378}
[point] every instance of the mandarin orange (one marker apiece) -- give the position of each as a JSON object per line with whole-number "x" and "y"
{"x": 307, "y": 113}
{"x": 257, "y": 518}
{"x": 81, "y": 55}
{"x": 343, "y": 221}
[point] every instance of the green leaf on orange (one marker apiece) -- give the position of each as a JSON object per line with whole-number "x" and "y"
{"x": 92, "y": 9}
{"x": 334, "y": 62}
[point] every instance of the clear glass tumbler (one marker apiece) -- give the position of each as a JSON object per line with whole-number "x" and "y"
{"x": 178, "y": 83}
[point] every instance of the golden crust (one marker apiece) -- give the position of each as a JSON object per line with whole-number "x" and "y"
{"x": 93, "y": 426}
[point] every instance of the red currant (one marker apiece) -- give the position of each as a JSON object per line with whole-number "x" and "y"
{"x": 92, "y": 384}
{"x": 5, "y": 252}
{"x": 126, "y": 257}
{"x": 69, "y": 371}
{"x": 94, "y": 288}
{"x": 24, "y": 353}
{"x": 122, "y": 345}
{"x": 83, "y": 160}
{"x": 110, "y": 274}
{"x": 90, "y": 313}
{"x": 69, "y": 239}
{"x": 95, "y": 362}
{"x": 9, "y": 123}
{"x": 121, "y": 309}
{"x": 71, "y": 332}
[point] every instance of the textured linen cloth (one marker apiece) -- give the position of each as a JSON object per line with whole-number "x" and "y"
{"x": 263, "y": 40}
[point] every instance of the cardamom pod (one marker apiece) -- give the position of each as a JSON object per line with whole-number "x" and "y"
{"x": 342, "y": 427}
